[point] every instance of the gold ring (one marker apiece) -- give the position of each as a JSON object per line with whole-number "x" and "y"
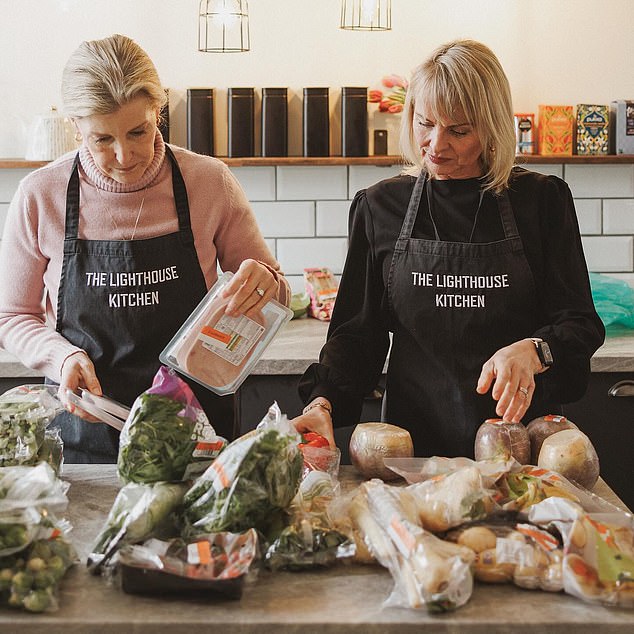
{"x": 523, "y": 390}
{"x": 260, "y": 292}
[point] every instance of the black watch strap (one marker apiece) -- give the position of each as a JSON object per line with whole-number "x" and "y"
{"x": 543, "y": 352}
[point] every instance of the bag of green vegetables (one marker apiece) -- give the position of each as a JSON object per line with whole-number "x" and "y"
{"x": 250, "y": 484}
{"x": 167, "y": 436}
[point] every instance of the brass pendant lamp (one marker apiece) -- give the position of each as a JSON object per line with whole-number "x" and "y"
{"x": 366, "y": 15}
{"x": 223, "y": 26}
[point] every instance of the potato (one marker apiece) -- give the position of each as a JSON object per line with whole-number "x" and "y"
{"x": 478, "y": 538}
{"x": 487, "y": 568}
{"x": 570, "y": 453}
{"x": 541, "y": 428}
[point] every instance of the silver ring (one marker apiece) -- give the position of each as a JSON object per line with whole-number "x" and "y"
{"x": 260, "y": 292}
{"x": 523, "y": 390}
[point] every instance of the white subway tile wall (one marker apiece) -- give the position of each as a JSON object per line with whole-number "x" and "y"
{"x": 303, "y": 210}
{"x": 589, "y": 215}
{"x": 618, "y": 216}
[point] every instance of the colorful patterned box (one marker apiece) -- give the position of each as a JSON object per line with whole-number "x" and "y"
{"x": 622, "y": 126}
{"x": 593, "y": 132}
{"x": 555, "y": 130}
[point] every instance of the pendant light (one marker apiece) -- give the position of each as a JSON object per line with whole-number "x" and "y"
{"x": 366, "y": 15}
{"x": 223, "y": 26}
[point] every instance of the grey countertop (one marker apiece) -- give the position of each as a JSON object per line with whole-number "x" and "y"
{"x": 298, "y": 345}
{"x": 346, "y": 598}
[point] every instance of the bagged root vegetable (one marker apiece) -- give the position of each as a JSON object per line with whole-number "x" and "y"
{"x": 139, "y": 511}
{"x": 518, "y": 553}
{"x": 427, "y": 571}
{"x": 25, "y": 412}
{"x": 250, "y": 484}
{"x": 167, "y": 436}
{"x": 452, "y": 499}
{"x": 598, "y": 560}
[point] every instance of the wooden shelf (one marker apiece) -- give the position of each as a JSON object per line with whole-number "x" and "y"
{"x": 380, "y": 161}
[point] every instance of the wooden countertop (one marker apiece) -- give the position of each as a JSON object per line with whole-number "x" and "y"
{"x": 298, "y": 345}
{"x": 345, "y": 598}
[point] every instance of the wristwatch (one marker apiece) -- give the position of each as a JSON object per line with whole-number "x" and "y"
{"x": 543, "y": 352}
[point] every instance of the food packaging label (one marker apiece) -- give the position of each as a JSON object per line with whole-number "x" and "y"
{"x": 555, "y": 130}
{"x": 525, "y": 136}
{"x": 593, "y": 129}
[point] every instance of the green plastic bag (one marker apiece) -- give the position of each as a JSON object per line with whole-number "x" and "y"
{"x": 613, "y": 300}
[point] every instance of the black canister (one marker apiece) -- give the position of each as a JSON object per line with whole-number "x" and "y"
{"x": 240, "y": 114}
{"x": 274, "y": 122}
{"x": 200, "y": 120}
{"x": 316, "y": 122}
{"x": 354, "y": 121}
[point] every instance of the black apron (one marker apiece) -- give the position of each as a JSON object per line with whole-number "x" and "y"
{"x": 452, "y": 305}
{"x": 122, "y": 301}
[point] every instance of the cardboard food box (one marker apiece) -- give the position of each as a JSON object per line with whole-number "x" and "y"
{"x": 525, "y": 133}
{"x": 622, "y": 126}
{"x": 593, "y": 132}
{"x": 555, "y": 130}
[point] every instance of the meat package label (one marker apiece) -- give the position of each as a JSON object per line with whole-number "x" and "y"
{"x": 593, "y": 129}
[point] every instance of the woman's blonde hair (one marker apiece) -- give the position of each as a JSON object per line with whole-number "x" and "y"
{"x": 465, "y": 74}
{"x": 103, "y": 75}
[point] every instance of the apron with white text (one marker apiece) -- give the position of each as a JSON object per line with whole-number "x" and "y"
{"x": 122, "y": 301}
{"x": 453, "y": 304}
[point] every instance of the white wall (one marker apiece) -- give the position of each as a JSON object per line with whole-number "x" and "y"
{"x": 554, "y": 51}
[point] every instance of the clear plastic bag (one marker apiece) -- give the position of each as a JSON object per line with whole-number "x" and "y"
{"x": 613, "y": 300}
{"x": 167, "y": 436}
{"x": 25, "y": 412}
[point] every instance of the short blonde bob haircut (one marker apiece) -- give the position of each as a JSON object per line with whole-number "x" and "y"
{"x": 103, "y": 75}
{"x": 465, "y": 74}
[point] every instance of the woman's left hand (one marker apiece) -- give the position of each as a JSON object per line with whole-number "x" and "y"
{"x": 252, "y": 286}
{"x": 511, "y": 371}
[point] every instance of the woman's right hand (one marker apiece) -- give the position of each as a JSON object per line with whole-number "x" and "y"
{"x": 317, "y": 419}
{"x": 78, "y": 371}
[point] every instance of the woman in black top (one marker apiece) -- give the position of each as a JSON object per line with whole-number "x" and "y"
{"x": 474, "y": 266}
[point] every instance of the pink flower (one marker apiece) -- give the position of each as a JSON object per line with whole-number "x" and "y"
{"x": 384, "y": 106}
{"x": 390, "y": 81}
{"x": 396, "y": 107}
{"x": 375, "y": 96}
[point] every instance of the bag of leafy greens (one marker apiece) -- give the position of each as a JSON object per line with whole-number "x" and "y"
{"x": 167, "y": 436}
{"x": 250, "y": 484}
{"x": 25, "y": 412}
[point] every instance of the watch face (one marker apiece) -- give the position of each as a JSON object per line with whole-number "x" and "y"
{"x": 545, "y": 355}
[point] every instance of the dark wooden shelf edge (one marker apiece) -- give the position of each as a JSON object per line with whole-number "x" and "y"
{"x": 379, "y": 161}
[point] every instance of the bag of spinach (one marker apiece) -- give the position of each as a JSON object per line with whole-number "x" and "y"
{"x": 250, "y": 484}
{"x": 167, "y": 436}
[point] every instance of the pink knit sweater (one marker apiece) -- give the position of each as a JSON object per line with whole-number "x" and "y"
{"x": 225, "y": 234}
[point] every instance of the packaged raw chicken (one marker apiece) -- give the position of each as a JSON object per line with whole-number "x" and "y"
{"x": 219, "y": 351}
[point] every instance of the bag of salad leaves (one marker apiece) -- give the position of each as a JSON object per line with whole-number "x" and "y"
{"x": 250, "y": 484}
{"x": 25, "y": 412}
{"x": 139, "y": 511}
{"x": 167, "y": 436}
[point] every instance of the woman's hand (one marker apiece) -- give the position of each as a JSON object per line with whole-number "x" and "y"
{"x": 78, "y": 371}
{"x": 316, "y": 418}
{"x": 511, "y": 371}
{"x": 252, "y": 286}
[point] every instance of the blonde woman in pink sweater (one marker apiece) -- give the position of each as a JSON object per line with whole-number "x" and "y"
{"x": 106, "y": 251}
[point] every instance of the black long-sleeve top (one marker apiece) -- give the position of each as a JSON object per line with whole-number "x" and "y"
{"x": 352, "y": 360}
